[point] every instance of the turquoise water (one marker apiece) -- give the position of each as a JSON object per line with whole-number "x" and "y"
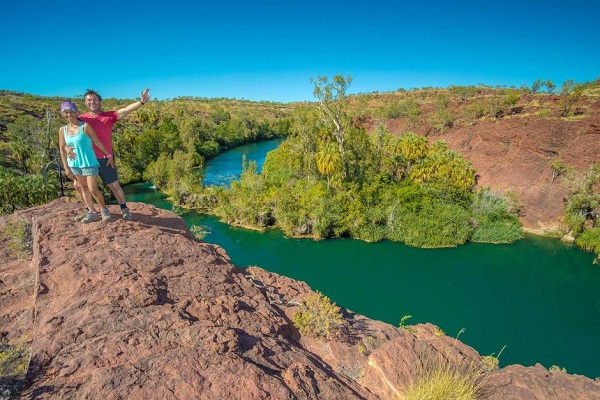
{"x": 226, "y": 167}
{"x": 538, "y": 297}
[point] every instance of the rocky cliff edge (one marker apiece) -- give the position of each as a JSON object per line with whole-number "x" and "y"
{"x": 142, "y": 310}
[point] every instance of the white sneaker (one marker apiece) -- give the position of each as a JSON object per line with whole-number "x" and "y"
{"x": 126, "y": 214}
{"x": 91, "y": 217}
{"x": 81, "y": 216}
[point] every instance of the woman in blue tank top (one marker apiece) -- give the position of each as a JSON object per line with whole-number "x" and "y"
{"x": 79, "y": 136}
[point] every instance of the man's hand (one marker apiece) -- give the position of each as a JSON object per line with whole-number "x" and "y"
{"x": 145, "y": 95}
{"x": 111, "y": 162}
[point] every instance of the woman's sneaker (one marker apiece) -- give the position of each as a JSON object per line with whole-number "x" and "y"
{"x": 91, "y": 217}
{"x": 126, "y": 213}
{"x": 81, "y": 216}
{"x": 105, "y": 214}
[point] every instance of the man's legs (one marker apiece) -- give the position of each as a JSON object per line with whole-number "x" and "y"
{"x": 110, "y": 179}
{"x": 117, "y": 190}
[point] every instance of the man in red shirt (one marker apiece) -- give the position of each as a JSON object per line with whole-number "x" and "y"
{"x": 102, "y": 122}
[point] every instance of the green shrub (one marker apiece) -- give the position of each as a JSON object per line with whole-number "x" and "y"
{"x": 17, "y": 231}
{"x": 19, "y": 191}
{"x": 436, "y": 225}
{"x": 14, "y": 362}
{"x": 544, "y": 113}
{"x": 490, "y": 363}
{"x": 402, "y": 324}
{"x": 556, "y": 368}
{"x": 405, "y": 109}
{"x": 590, "y": 240}
{"x": 492, "y": 219}
{"x": 497, "y": 231}
{"x": 474, "y": 111}
{"x": 199, "y": 231}
{"x": 318, "y": 317}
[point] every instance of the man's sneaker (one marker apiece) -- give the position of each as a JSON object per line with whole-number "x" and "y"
{"x": 91, "y": 217}
{"x": 126, "y": 213}
{"x": 81, "y": 216}
{"x": 105, "y": 214}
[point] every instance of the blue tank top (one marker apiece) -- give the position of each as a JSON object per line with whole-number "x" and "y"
{"x": 83, "y": 148}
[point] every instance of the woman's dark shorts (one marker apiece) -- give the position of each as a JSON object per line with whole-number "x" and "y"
{"x": 106, "y": 172}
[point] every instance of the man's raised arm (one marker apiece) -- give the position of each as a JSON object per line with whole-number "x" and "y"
{"x": 145, "y": 97}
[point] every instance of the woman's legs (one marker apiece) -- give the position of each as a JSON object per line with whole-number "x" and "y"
{"x": 97, "y": 194}
{"x": 92, "y": 182}
{"x": 85, "y": 192}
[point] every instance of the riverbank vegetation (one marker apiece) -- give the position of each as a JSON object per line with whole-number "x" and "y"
{"x": 342, "y": 171}
{"x": 331, "y": 178}
{"x": 582, "y": 208}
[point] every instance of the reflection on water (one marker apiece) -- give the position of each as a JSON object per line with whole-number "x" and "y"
{"x": 539, "y": 297}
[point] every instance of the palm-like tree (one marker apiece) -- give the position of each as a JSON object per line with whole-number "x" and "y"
{"x": 329, "y": 161}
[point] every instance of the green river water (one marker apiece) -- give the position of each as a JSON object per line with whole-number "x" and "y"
{"x": 538, "y": 297}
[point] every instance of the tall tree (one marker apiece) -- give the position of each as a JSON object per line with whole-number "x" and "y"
{"x": 331, "y": 97}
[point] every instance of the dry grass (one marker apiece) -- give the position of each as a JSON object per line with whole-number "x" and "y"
{"x": 445, "y": 381}
{"x": 440, "y": 377}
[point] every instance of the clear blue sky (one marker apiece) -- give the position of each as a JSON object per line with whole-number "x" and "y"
{"x": 269, "y": 50}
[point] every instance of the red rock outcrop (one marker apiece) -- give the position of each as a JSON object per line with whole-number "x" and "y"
{"x": 142, "y": 310}
{"x": 514, "y": 155}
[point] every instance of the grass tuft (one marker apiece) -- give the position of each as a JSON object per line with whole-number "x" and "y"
{"x": 444, "y": 381}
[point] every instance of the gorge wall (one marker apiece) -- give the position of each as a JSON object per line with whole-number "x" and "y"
{"x": 512, "y": 153}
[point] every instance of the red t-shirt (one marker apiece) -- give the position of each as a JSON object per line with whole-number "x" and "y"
{"x": 102, "y": 124}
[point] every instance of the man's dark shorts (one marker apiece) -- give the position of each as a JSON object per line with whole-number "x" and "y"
{"x": 106, "y": 172}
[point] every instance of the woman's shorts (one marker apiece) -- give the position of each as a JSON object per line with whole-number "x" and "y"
{"x": 87, "y": 171}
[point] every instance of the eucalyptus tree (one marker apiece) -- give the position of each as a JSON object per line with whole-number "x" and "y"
{"x": 569, "y": 95}
{"x": 331, "y": 97}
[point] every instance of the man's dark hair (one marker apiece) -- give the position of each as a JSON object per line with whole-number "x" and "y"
{"x": 92, "y": 91}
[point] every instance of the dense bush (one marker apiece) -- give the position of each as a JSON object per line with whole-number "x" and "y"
{"x": 492, "y": 221}
{"x": 590, "y": 240}
{"x": 318, "y": 317}
{"x": 25, "y": 190}
{"x": 17, "y": 235}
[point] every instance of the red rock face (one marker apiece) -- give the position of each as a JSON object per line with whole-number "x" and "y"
{"x": 142, "y": 310}
{"x": 515, "y": 154}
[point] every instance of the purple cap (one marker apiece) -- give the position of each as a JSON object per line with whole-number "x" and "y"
{"x": 68, "y": 105}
